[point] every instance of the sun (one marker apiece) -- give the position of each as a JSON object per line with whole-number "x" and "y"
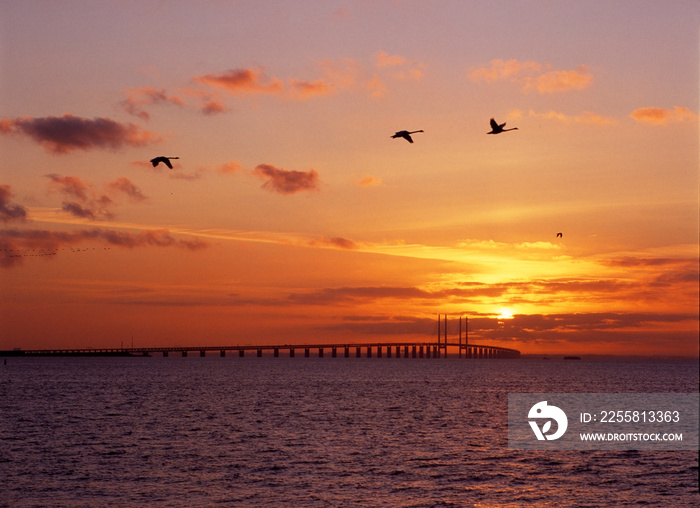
{"x": 505, "y": 313}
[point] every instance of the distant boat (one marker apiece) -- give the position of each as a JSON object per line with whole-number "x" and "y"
{"x": 572, "y": 358}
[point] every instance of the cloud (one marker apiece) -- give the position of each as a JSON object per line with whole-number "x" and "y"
{"x": 336, "y": 242}
{"x": 661, "y": 116}
{"x": 15, "y": 242}
{"x": 243, "y": 81}
{"x": 90, "y": 203}
{"x": 60, "y": 135}
{"x": 126, "y": 186}
{"x": 332, "y": 77}
{"x": 210, "y": 103}
{"x": 344, "y": 295}
{"x": 138, "y": 98}
{"x": 586, "y": 117}
{"x": 503, "y": 70}
{"x": 9, "y": 211}
{"x": 230, "y": 167}
{"x": 70, "y": 185}
{"x": 529, "y": 74}
{"x": 560, "y": 81}
{"x": 286, "y": 182}
{"x": 383, "y": 59}
{"x": 305, "y": 89}
{"x": 370, "y": 181}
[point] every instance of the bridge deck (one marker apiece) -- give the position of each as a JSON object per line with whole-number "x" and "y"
{"x": 468, "y": 349}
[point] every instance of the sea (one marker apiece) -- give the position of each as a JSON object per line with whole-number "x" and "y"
{"x": 317, "y": 432}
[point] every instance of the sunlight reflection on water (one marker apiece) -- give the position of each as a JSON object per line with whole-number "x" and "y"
{"x": 315, "y": 432}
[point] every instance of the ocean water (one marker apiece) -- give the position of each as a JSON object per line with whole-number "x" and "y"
{"x": 316, "y": 432}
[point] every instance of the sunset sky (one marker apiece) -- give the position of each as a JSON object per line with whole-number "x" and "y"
{"x": 291, "y": 214}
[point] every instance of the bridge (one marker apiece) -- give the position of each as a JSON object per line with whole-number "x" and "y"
{"x": 356, "y": 350}
{"x": 399, "y": 349}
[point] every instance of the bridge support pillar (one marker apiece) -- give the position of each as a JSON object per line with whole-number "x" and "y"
{"x": 369, "y": 351}
{"x": 241, "y": 353}
{"x": 320, "y": 352}
{"x": 379, "y": 351}
{"x": 291, "y": 352}
{"x": 358, "y": 352}
{"x": 306, "y": 352}
{"x": 259, "y": 353}
{"x": 388, "y": 351}
{"x": 347, "y": 352}
{"x": 334, "y": 352}
{"x": 165, "y": 354}
{"x": 184, "y": 353}
{"x": 202, "y": 353}
{"x": 421, "y": 352}
{"x": 222, "y": 353}
{"x": 413, "y": 351}
{"x": 276, "y": 352}
{"x": 405, "y": 351}
{"x": 436, "y": 352}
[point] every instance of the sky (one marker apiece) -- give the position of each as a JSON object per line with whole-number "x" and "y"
{"x": 292, "y": 216}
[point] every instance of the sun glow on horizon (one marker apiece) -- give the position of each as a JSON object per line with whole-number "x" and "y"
{"x": 505, "y": 313}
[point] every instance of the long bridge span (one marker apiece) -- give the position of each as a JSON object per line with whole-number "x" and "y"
{"x": 354, "y": 350}
{"x": 398, "y": 349}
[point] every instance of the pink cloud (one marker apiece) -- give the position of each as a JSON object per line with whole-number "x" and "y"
{"x": 126, "y": 186}
{"x": 370, "y": 181}
{"x": 230, "y": 167}
{"x": 529, "y": 75}
{"x": 662, "y": 116}
{"x": 138, "y": 98}
{"x": 67, "y": 133}
{"x": 9, "y": 211}
{"x": 503, "y": 70}
{"x": 586, "y": 117}
{"x": 286, "y": 182}
{"x": 560, "y": 81}
{"x": 243, "y": 81}
{"x": 85, "y": 201}
{"x": 305, "y": 89}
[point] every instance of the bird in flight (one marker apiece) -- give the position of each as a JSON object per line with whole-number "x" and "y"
{"x": 405, "y": 135}
{"x": 497, "y": 129}
{"x": 559, "y": 235}
{"x": 164, "y": 160}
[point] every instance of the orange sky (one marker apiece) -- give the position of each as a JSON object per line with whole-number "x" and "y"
{"x": 292, "y": 216}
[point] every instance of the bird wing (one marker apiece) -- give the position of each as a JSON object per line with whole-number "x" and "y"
{"x": 155, "y": 161}
{"x": 167, "y": 163}
{"x": 407, "y": 137}
{"x": 494, "y": 125}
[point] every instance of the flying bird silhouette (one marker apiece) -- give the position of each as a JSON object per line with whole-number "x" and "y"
{"x": 497, "y": 129}
{"x": 164, "y": 160}
{"x": 405, "y": 135}
{"x": 559, "y": 235}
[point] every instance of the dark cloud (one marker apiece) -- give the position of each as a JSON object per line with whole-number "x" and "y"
{"x": 14, "y": 242}
{"x": 9, "y": 211}
{"x": 90, "y": 205}
{"x": 67, "y": 133}
{"x": 286, "y": 182}
{"x": 630, "y": 261}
